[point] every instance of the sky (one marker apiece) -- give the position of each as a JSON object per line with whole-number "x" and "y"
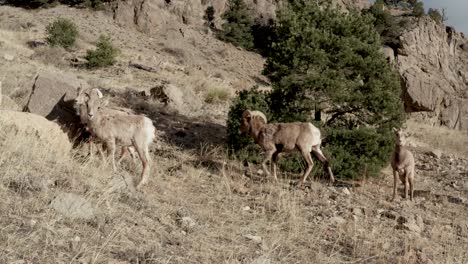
{"x": 456, "y": 11}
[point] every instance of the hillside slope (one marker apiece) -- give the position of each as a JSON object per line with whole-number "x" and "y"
{"x": 199, "y": 207}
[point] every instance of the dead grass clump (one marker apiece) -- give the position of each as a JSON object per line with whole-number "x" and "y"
{"x": 51, "y": 55}
{"x": 217, "y": 95}
{"x": 429, "y": 137}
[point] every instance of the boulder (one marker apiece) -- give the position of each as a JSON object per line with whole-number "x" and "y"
{"x": 52, "y": 96}
{"x": 183, "y": 100}
{"x": 48, "y": 134}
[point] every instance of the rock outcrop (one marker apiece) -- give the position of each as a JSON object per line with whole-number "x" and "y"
{"x": 52, "y": 96}
{"x": 154, "y": 16}
{"x": 48, "y": 134}
{"x": 433, "y": 65}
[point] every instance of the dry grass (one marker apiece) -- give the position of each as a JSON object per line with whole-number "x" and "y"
{"x": 200, "y": 208}
{"x": 447, "y": 140}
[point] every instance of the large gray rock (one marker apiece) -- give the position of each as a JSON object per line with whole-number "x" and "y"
{"x": 48, "y": 135}
{"x": 52, "y": 96}
{"x": 434, "y": 70}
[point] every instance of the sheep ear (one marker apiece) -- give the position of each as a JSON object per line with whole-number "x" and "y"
{"x": 246, "y": 114}
{"x": 104, "y": 103}
{"x": 394, "y": 129}
{"x": 98, "y": 93}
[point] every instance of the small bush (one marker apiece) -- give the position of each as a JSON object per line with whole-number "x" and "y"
{"x": 104, "y": 54}
{"x": 238, "y": 26}
{"x": 62, "y": 32}
{"x": 216, "y": 95}
{"x": 436, "y": 15}
{"x": 418, "y": 9}
{"x": 209, "y": 15}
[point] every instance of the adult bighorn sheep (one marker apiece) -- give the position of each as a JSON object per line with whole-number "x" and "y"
{"x": 276, "y": 138}
{"x": 402, "y": 164}
{"x": 123, "y": 130}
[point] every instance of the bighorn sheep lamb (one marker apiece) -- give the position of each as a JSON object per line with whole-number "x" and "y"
{"x": 402, "y": 164}
{"x": 276, "y": 138}
{"x": 80, "y": 107}
{"x": 124, "y": 130}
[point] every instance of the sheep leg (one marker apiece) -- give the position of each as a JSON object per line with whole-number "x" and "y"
{"x": 319, "y": 155}
{"x": 144, "y": 156}
{"x": 268, "y": 157}
{"x": 411, "y": 183}
{"x": 274, "y": 163}
{"x": 395, "y": 180}
{"x": 110, "y": 144}
{"x": 310, "y": 165}
{"x": 123, "y": 151}
{"x": 406, "y": 184}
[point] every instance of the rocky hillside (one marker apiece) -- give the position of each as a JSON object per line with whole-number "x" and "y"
{"x": 62, "y": 206}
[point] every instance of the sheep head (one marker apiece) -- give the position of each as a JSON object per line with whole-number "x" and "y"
{"x": 400, "y": 136}
{"x": 94, "y": 102}
{"x": 251, "y": 120}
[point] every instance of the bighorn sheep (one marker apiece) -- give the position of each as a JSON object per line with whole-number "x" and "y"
{"x": 80, "y": 107}
{"x": 402, "y": 164}
{"x": 124, "y": 130}
{"x": 276, "y": 138}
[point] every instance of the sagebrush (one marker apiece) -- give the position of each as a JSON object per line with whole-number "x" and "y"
{"x": 104, "y": 55}
{"x": 62, "y": 32}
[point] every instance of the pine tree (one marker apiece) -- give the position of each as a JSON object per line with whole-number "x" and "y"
{"x": 238, "y": 26}
{"x": 323, "y": 56}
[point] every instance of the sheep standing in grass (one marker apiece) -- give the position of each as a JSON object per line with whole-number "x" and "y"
{"x": 276, "y": 138}
{"x": 123, "y": 130}
{"x": 80, "y": 107}
{"x": 402, "y": 164}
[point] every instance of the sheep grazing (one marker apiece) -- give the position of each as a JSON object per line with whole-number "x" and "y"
{"x": 123, "y": 130}
{"x": 402, "y": 164}
{"x": 276, "y": 138}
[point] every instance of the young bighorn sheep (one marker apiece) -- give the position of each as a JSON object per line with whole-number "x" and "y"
{"x": 402, "y": 164}
{"x": 123, "y": 130}
{"x": 276, "y": 138}
{"x": 80, "y": 107}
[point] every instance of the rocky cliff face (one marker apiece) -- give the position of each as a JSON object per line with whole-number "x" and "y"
{"x": 433, "y": 65}
{"x": 153, "y": 16}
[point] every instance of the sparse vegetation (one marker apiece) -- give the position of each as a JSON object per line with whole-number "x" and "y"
{"x": 209, "y": 16}
{"x": 104, "y": 55}
{"x": 216, "y": 95}
{"x": 436, "y": 15}
{"x": 62, "y": 32}
{"x": 389, "y": 27}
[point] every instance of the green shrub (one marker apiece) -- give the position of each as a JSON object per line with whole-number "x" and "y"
{"x": 104, "y": 55}
{"x": 238, "y": 26}
{"x": 389, "y": 27}
{"x": 436, "y": 15}
{"x": 62, "y": 32}
{"x": 209, "y": 15}
{"x": 418, "y": 9}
